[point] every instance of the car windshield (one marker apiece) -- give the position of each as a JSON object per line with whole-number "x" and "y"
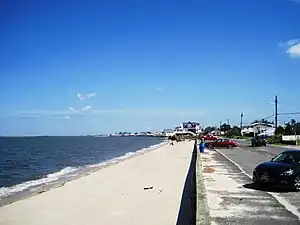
{"x": 287, "y": 157}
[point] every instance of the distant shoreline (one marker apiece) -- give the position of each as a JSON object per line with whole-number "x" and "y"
{"x": 27, "y": 193}
{"x": 83, "y": 136}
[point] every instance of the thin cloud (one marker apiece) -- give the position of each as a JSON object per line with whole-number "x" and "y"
{"x": 86, "y": 108}
{"x": 30, "y": 115}
{"x": 79, "y": 96}
{"x": 99, "y": 112}
{"x": 294, "y": 51}
{"x": 67, "y": 117}
{"x": 86, "y": 96}
{"x": 91, "y": 95}
{"x": 160, "y": 89}
{"x": 291, "y": 47}
{"x": 71, "y": 108}
{"x": 296, "y": 1}
{"x": 293, "y": 42}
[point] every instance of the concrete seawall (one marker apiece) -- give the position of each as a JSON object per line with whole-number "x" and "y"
{"x": 202, "y": 210}
{"x": 194, "y": 208}
{"x": 187, "y": 211}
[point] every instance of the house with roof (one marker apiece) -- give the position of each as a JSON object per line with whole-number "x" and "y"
{"x": 178, "y": 129}
{"x": 217, "y": 132}
{"x": 259, "y": 128}
{"x": 189, "y": 126}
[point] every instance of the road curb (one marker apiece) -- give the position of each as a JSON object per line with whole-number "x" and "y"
{"x": 294, "y": 147}
{"x": 276, "y": 196}
{"x": 202, "y": 209}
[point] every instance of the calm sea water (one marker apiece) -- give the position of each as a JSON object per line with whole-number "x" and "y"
{"x": 27, "y": 162}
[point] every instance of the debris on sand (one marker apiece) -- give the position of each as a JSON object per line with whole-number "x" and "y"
{"x": 148, "y": 188}
{"x": 209, "y": 169}
{"x": 210, "y": 179}
{"x": 205, "y": 159}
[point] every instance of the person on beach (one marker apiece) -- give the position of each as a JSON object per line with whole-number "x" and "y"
{"x": 171, "y": 140}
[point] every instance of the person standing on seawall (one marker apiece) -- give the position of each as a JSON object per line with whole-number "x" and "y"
{"x": 202, "y": 145}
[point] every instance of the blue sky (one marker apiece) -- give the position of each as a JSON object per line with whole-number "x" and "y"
{"x": 143, "y": 64}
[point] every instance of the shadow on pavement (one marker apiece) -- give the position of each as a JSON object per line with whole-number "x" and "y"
{"x": 268, "y": 188}
{"x": 187, "y": 210}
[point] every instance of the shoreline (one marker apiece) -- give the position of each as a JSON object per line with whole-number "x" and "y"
{"x": 143, "y": 190}
{"x": 88, "y": 170}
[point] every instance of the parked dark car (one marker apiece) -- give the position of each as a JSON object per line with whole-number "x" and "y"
{"x": 221, "y": 143}
{"x": 258, "y": 141}
{"x": 283, "y": 169}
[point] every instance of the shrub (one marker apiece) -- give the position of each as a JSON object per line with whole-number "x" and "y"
{"x": 274, "y": 139}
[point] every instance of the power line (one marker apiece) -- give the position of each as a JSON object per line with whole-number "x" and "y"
{"x": 286, "y": 114}
{"x": 268, "y": 117}
{"x": 275, "y": 115}
{"x": 265, "y": 118}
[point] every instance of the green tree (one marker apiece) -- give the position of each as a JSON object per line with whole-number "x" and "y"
{"x": 288, "y": 130}
{"x": 209, "y": 129}
{"x": 279, "y": 130}
{"x": 297, "y": 128}
{"x": 262, "y": 121}
{"x": 225, "y": 127}
{"x": 293, "y": 122}
{"x": 234, "y": 131}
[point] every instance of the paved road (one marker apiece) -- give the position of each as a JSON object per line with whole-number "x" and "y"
{"x": 247, "y": 158}
{"x": 230, "y": 202}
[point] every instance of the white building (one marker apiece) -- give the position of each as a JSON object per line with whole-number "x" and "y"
{"x": 217, "y": 132}
{"x": 191, "y": 126}
{"x": 168, "y": 132}
{"x": 178, "y": 129}
{"x": 259, "y": 129}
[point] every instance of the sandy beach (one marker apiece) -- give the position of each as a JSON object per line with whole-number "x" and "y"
{"x": 113, "y": 195}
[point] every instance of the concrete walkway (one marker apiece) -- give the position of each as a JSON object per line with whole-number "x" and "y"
{"x": 233, "y": 200}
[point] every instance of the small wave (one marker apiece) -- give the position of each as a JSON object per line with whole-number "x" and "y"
{"x": 112, "y": 161}
{"x": 68, "y": 172}
{"x": 7, "y": 191}
{"x": 126, "y": 156}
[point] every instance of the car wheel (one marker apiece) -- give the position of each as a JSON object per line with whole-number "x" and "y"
{"x": 209, "y": 146}
{"x": 229, "y": 146}
{"x": 297, "y": 183}
{"x": 254, "y": 179}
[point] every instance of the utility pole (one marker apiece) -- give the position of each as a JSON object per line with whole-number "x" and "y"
{"x": 276, "y": 111}
{"x": 227, "y": 121}
{"x": 241, "y": 125}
